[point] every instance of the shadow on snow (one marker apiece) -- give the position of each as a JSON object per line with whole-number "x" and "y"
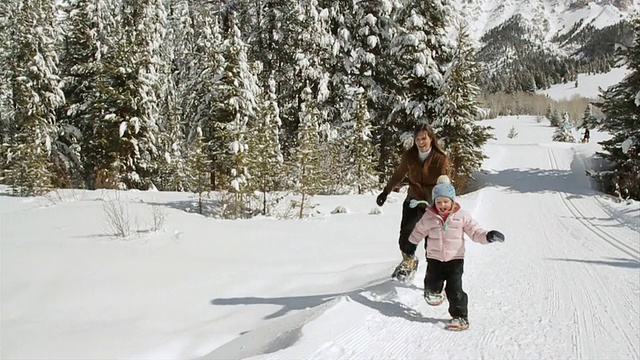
{"x": 574, "y": 182}
{"x": 386, "y": 306}
{"x": 616, "y": 262}
{"x": 287, "y": 331}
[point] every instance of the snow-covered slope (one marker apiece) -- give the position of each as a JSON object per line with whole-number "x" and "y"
{"x": 588, "y": 85}
{"x": 565, "y": 284}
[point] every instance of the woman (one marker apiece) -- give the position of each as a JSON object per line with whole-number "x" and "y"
{"x": 422, "y": 164}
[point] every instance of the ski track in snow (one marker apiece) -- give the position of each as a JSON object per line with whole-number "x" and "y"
{"x": 582, "y": 214}
{"x": 589, "y": 316}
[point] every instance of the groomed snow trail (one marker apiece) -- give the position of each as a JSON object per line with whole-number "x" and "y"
{"x": 564, "y": 285}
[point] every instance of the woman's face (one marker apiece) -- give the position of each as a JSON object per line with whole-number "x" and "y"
{"x": 423, "y": 141}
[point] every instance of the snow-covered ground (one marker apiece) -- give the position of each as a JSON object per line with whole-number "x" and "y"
{"x": 565, "y": 284}
{"x": 588, "y": 85}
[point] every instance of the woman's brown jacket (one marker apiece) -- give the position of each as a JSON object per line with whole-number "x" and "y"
{"x": 422, "y": 176}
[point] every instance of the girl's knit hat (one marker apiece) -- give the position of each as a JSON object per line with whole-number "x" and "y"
{"x": 444, "y": 188}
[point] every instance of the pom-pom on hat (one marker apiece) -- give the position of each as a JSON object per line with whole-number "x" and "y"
{"x": 444, "y": 188}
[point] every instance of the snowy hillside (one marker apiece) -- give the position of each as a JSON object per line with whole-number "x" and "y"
{"x": 548, "y": 17}
{"x": 588, "y": 85}
{"x": 565, "y": 284}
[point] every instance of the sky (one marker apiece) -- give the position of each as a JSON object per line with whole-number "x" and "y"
{"x": 564, "y": 284}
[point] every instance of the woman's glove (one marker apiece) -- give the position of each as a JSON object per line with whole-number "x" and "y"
{"x": 381, "y": 198}
{"x": 495, "y": 235}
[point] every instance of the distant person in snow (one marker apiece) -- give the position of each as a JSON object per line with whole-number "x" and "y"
{"x": 421, "y": 164}
{"x": 585, "y": 138}
{"x": 444, "y": 224}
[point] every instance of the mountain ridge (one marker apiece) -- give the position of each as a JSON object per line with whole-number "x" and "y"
{"x": 549, "y": 18}
{"x": 527, "y": 45}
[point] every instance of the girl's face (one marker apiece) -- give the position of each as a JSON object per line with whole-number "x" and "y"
{"x": 443, "y": 204}
{"x": 423, "y": 141}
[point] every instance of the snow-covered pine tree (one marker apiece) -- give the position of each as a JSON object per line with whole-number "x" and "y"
{"x": 363, "y": 173}
{"x": 549, "y": 113}
{"x": 309, "y": 178}
{"x": 463, "y": 138}
{"x": 89, "y": 27}
{"x": 342, "y": 19}
{"x": 5, "y": 80}
{"x": 125, "y": 144}
{"x": 203, "y": 70}
{"x": 340, "y": 104}
{"x": 313, "y": 51}
{"x": 264, "y": 155}
{"x": 335, "y": 145}
{"x": 236, "y": 104}
{"x": 621, "y": 107}
{"x": 423, "y": 51}
{"x": 555, "y": 118}
{"x": 172, "y": 166}
{"x": 199, "y": 164}
{"x": 564, "y": 131}
{"x": 529, "y": 84}
{"x": 154, "y": 73}
{"x": 247, "y": 14}
{"x": 35, "y": 84}
{"x": 274, "y": 43}
{"x": 328, "y": 41}
{"x": 373, "y": 31}
{"x": 180, "y": 37}
{"x": 305, "y": 167}
{"x": 589, "y": 119}
{"x": 371, "y": 60}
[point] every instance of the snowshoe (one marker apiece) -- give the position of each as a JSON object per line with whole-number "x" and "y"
{"x": 434, "y": 299}
{"x": 406, "y": 270}
{"x": 458, "y": 324}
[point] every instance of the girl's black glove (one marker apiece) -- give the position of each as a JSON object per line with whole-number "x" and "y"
{"x": 495, "y": 235}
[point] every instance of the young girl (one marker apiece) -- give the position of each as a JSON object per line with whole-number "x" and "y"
{"x": 444, "y": 225}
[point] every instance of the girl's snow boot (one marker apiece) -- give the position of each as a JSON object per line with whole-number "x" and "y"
{"x": 434, "y": 299}
{"x": 458, "y": 324}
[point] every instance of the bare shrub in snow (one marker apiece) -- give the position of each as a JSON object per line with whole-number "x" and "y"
{"x": 303, "y": 207}
{"x": 271, "y": 201}
{"x": 288, "y": 211}
{"x": 512, "y": 132}
{"x": 61, "y": 196}
{"x": 159, "y": 217}
{"x": 230, "y": 205}
{"x": 117, "y": 216}
{"x": 122, "y": 222}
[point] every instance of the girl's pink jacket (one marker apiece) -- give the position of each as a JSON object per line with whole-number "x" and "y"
{"x": 445, "y": 238}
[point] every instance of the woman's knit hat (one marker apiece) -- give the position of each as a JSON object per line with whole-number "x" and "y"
{"x": 444, "y": 188}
